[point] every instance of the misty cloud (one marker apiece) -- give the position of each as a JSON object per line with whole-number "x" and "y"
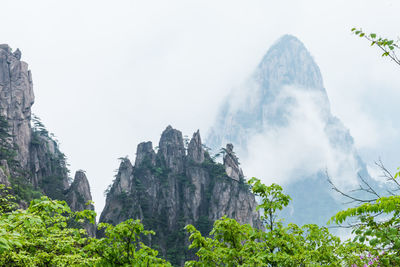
{"x": 301, "y": 147}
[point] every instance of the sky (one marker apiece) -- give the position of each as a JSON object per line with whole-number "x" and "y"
{"x": 110, "y": 74}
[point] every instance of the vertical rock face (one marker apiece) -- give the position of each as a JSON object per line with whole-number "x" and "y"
{"x": 79, "y": 193}
{"x": 37, "y": 153}
{"x": 231, "y": 163}
{"x": 48, "y": 170}
{"x": 16, "y": 99}
{"x": 78, "y": 196}
{"x": 39, "y": 159}
{"x": 171, "y": 149}
{"x": 117, "y": 208}
{"x": 145, "y": 153}
{"x": 169, "y": 189}
{"x": 195, "y": 149}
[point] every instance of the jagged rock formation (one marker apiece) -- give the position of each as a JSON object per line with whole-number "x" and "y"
{"x": 271, "y": 102}
{"x": 78, "y": 195}
{"x": 39, "y": 164}
{"x": 231, "y": 163}
{"x": 170, "y": 188}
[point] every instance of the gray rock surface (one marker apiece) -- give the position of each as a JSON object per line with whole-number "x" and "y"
{"x": 79, "y": 193}
{"x": 145, "y": 154}
{"x": 16, "y": 99}
{"x": 195, "y": 149}
{"x": 39, "y": 159}
{"x": 47, "y": 166}
{"x": 231, "y": 163}
{"x": 171, "y": 149}
{"x": 78, "y": 196}
{"x": 171, "y": 189}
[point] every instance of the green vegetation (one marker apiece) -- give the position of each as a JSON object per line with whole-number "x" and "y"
{"x": 22, "y": 188}
{"x": 387, "y": 46}
{"x": 233, "y": 244}
{"x": 7, "y": 149}
{"x": 42, "y": 235}
{"x": 55, "y": 171}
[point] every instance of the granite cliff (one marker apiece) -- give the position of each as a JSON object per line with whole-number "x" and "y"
{"x": 33, "y": 164}
{"x": 174, "y": 186}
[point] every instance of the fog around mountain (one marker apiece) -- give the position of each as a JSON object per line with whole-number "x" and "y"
{"x": 280, "y": 120}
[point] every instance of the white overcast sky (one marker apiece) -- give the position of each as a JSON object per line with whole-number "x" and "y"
{"x": 110, "y": 74}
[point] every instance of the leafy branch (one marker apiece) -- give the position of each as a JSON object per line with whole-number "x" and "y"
{"x": 388, "y": 46}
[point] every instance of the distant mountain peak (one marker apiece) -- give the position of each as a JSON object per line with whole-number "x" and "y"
{"x": 280, "y": 116}
{"x": 288, "y": 62}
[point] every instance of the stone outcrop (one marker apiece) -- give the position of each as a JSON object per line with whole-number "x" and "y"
{"x": 48, "y": 170}
{"x": 231, "y": 163}
{"x": 171, "y": 188}
{"x": 195, "y": 148}
{"x": 145, "y": 154}
{"x": 172, "y": 150}
{"x": 78, "y": 195}
{"x": 16, "y": 99}
{"x": 38, "y": 160}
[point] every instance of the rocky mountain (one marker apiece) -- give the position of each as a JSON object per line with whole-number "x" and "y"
{"x": 280, "y": 120}
{"x": 31, "y": 161}
{"x": 172, "y": 185}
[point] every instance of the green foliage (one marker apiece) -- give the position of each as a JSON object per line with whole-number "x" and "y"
{"x": 7, "y": 201}
{"x": 42, "y": 236}
{"x": 38, "y": 126}
{"x": 216, "y": 170}
{"x": 273, "y": 200}
{"x": 377, "y": 228}
{"x": 123, "y": 247}
{"x": 22, "y": 188}
{"x": 38, "y": 236}
{"x": 388, "y": 46}
{"x": 232, "y": 244}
